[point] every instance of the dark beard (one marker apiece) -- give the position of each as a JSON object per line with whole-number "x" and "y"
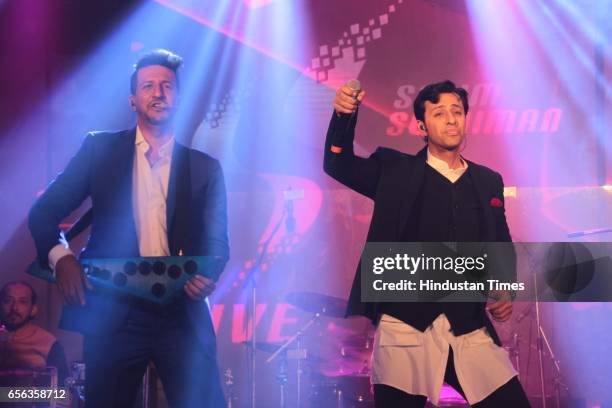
{"x": 15, "y": 326}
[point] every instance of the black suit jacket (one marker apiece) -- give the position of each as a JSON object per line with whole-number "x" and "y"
{"x": 393, "y": 180}
{"x": 102, "y": 170}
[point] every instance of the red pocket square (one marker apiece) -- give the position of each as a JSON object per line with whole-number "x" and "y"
{"x": 496, "y": 202}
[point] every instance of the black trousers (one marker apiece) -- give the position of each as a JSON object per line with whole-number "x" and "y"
{"x": 509, "y": 395}
{"x": 115, "y": 363}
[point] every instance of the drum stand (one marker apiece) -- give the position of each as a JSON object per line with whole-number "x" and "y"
{"x": 514, "y": 353}
{"x": 229, "y": 383}
{"x": 252, "y": 311}
{"x": 542, "y": 340}
{"x": 300, "y": 354}
{"x": 282, "y": 378}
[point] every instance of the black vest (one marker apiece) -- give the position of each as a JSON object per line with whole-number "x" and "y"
{"x": 442, "y": 212}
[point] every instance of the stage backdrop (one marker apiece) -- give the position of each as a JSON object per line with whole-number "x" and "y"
{"x": 257, "y": 87}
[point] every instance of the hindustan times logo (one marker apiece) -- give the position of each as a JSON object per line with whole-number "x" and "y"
{"x": 411, "y": 264}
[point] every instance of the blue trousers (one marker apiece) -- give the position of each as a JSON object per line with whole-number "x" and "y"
{"x": 115, "y": 362}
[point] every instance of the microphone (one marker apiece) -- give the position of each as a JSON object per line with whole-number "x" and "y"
{"x": 345, "y": 120}
{"x": 355, "y": 85}
{"x": 290, "y": 196}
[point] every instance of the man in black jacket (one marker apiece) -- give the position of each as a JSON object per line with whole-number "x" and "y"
{"x": 150, "y": 197}
{"x": 434, "y": 196}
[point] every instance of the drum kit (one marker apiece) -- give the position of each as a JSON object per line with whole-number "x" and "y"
{"x": 340, "y": 372}
{"x": 340, "y": 375}
{"x": 76, "y": 384}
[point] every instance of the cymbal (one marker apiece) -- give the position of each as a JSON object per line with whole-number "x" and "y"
{"x": 347, "y": 359}
{"x": 355, "y": 353}
{"x": 318, "y": 303}
{"x": 345, "y": 365}
{"x": 361, "y": 340}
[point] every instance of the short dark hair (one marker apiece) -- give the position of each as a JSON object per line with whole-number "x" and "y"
{"x": 432, "y": 93}
{"x": 13, "y": 283}
{"x": 161, "y": 57}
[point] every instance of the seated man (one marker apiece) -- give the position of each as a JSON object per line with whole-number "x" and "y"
{"x": 22, "y": 343}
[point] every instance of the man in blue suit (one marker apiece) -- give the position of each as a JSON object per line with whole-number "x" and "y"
{"x": 150, "y": 196}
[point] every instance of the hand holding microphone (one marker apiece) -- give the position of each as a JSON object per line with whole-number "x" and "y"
{"x": 348, "y": 97}
{"x": 346, "y": 102}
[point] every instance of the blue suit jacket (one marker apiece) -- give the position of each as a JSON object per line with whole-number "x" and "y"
{"x": 102, "y": 170}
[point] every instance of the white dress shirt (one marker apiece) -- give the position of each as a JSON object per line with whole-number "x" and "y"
{"x": 415, "y": 362}
{"x": 149, "y": 193}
